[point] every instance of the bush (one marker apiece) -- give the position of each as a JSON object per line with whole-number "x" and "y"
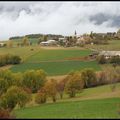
{"x": 15, "y": 59}
{"x": 9, "y": 59}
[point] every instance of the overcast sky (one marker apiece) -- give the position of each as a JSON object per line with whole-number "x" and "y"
{"x": 21, "y": 18}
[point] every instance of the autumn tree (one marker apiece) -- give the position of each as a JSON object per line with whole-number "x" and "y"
{"x": 5, "y": 114}
{"x": 10, "y": 44}
{"x": 89, "y": 77}
{"x": 61, "y": 87}
{"x": 34, "y": 79}
{"x": 74, "y": 84}
{"x": 41, "y": 96}
{"x": 25, "y": 41}
{"x": 14, "y": 96}
{"x": 101, "y": 59}
{"x": 51, "y": 89}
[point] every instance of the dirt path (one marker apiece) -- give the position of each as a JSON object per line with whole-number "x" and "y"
{"x": 60, "y": 77}
{"x": 5, "y": 67}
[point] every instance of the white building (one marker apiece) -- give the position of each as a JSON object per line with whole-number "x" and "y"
{"x": 49, "y": 43}
{"x": 109, "y": 54}
{"x": 2, "y": 44}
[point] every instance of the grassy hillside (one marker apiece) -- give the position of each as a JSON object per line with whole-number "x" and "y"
{"x": 57, "y": 62}
{"x": 97, "y": 102}
{"x": 50, "y": 55}
{"x": 113, "y": 45}
{"x": 57, "y": 68}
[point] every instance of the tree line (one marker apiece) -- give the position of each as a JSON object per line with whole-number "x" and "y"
{"x": 16, "y": 89}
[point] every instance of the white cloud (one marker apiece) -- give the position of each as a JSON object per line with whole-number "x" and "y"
{"x": 54, "y": 17}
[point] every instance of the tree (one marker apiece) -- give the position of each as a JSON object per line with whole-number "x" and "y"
{"x": 34, "y": 79}
{"x": 5, "y": 114}
{"x": 14, "y": 96}
{"x": 89, "y": 77}
{"x": 40, "y": 40}
{"x": 7, "y": 76}
{"x": 101, "y": 59}
{"x": 74, "y": 84}
{"x": 115, "y": 60}
{"x": 61, "y": 87}
{"x": 15, "y": 59}
{"x": 101, "y": 76}
{"x": 25, "y": 41}
{"x": 44, "y": 38}
{"x": 51, "y": 89}
{"x": 41, "y": 96}
{"x": 10, "y": 44}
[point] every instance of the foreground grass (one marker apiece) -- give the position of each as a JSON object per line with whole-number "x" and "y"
{"x": 102, "y": 108}
{"x": 56, "y": 68}
{"x": 97, "y": 102}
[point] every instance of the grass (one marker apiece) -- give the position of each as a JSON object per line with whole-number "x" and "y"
{"x": 23, "y": 52}
{"x": 113, "y": 45}
{"x": 97, "y": 102}
{"x": 56, "y": 68}
{"x": 55, "y": 62}
{"x": 102, "y": 108}
{"x": 47, "y": 55}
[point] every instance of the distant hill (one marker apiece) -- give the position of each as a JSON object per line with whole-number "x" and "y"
{"x": 50, "y": 36}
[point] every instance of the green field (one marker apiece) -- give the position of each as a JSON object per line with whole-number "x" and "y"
{"x": 57, "y": 68}
{"x": 50, "y": 55}
{"x": 97, "y": 102}
{"x": 56, "y": 62}
{"x": 113, "y": 45}
{"x": 102, "y": 108}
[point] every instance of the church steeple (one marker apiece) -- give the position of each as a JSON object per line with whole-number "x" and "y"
{"x": 75, "y": 33}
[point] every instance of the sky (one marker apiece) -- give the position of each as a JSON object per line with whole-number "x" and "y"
{"x": 21, "y": 18}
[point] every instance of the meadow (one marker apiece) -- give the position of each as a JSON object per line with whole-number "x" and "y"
{"x": 113, "y": 45}
{"x": 98, "y": 102}
{"x": 56, "y": 68}
{"x": 57, "y": 62}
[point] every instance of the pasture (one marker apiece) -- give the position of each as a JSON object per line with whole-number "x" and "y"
{"x": 102, "y": 108}
{"x": 57, "y": 62}
{"x": 97, "y": 102}
{"x": 56, "y": 68}
{"x": 113, "y": 45}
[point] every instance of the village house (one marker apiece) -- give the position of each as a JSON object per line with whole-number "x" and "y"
{"x": 49, "y": 43}
{"x": 2, "y": 44}
{"x": 109, "y": 54}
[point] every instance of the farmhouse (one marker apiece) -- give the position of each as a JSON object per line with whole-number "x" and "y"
{"x": 2, "y": 44}
{"x": 49, "y": 43}
{"x": 109, "y": 54}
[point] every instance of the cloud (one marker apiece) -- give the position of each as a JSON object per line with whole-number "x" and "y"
{"x": 20, "y": 18}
